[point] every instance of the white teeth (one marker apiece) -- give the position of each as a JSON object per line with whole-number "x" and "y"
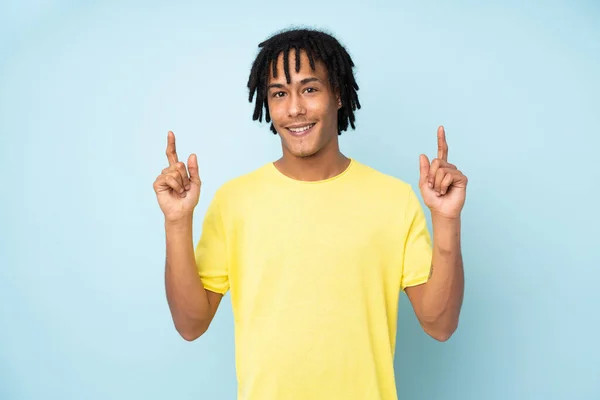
{"x": 300, "y": 130}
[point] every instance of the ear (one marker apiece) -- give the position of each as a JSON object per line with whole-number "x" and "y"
{"x": 339, "y": 99}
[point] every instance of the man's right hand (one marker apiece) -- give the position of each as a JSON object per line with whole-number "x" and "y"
{"x": 176, "y": 191}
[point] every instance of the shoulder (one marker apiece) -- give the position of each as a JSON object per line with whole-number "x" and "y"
{"x": 241, "y": 185}
{"x": 381, "y": 182}
{"x": 392, "y": 194}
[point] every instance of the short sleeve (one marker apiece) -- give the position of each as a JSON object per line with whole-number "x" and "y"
{"x": 211, "y": 251}
{"x": 417, "y": 246}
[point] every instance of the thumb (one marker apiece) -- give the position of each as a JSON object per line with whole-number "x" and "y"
{"x": 424, "y": 169}
{"x": 193, "y": 168}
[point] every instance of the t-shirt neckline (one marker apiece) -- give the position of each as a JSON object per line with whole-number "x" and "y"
{"x": 273, "y": 168}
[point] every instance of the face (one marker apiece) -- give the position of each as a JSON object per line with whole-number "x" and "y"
{"x": 304, "y": 112}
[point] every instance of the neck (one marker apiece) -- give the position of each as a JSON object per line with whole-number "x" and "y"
{"x": 322, "y": 165}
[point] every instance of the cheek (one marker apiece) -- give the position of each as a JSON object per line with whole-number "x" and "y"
{"x": 319, "y": 108}
{"x": 328, "y": 105}
{"x": 276, "y": 111}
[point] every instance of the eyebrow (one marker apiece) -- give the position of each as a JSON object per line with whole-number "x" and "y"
{"x": 302, "y": 82}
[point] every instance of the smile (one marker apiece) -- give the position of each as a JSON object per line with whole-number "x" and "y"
{"x": 301, "y": 130}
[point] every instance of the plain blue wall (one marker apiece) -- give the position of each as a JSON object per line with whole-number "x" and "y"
{"x": 88, "y": 93}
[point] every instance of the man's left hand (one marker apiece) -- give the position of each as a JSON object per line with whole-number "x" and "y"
{"x": 443, "y": 186}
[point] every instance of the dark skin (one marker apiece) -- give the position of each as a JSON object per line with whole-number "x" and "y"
{"x": 443, "y": 187}
{"x": 309, "y": 101}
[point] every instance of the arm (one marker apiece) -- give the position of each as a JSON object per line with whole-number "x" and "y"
{"x": 437, "y": 303}
{"x": 192, "y": 307}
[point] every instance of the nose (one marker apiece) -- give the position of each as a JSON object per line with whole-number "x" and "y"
{"x": 296, "y": 106}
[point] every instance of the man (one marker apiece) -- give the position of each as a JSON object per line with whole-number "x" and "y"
{"x": 314, "y": 247}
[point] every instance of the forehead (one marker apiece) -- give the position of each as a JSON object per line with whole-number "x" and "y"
{"x": 305, "y": 70}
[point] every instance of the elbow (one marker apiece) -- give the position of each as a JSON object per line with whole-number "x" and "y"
{"x": 441, "y": 336}
{"x": 190, "y": 334}
{"x": 441, "y": 331}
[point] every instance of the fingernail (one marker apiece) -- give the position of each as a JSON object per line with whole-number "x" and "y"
{"x": 181, "y": 190}
{"x": 187, "y": 187}
{"x": 430, "y": 185}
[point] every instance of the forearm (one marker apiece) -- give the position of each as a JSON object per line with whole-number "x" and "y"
{"x": 186, "y": 295}
{"x": 443, "y": 296}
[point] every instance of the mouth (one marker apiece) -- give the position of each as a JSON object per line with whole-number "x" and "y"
{"x": 303, "y": 130}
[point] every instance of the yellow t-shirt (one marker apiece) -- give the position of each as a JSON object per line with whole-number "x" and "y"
{"x": 315, "y": 270}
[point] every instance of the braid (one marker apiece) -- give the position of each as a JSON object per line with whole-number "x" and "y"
{"x": 318, "y": 46}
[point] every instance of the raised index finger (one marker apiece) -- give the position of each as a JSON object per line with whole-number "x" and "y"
{"x": 442, "y": 145}
{"x": 171, "y": 152}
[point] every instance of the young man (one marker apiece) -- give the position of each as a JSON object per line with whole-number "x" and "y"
{"x": 314, "y": 247}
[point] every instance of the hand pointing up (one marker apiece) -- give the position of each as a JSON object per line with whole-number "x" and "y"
{"x": 443, "y": 186}
{"x": 176, "y": 191}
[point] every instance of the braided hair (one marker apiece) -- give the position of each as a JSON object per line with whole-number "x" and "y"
{"x": 319, "y": 46}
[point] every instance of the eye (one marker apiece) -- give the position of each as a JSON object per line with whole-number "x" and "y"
{"x": 278, "y": 94}
{"x": 310, "y": 90}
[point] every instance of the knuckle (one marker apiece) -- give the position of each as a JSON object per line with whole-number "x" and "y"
{"x": 182, "y": 170}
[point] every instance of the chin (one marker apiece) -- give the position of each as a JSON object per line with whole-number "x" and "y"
{"x": 305, "y": 148}
{"x": 300, "y": 151}
{"x": 303, "y": 153}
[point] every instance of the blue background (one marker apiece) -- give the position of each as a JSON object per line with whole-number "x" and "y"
{"x": 88, "y": 91}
